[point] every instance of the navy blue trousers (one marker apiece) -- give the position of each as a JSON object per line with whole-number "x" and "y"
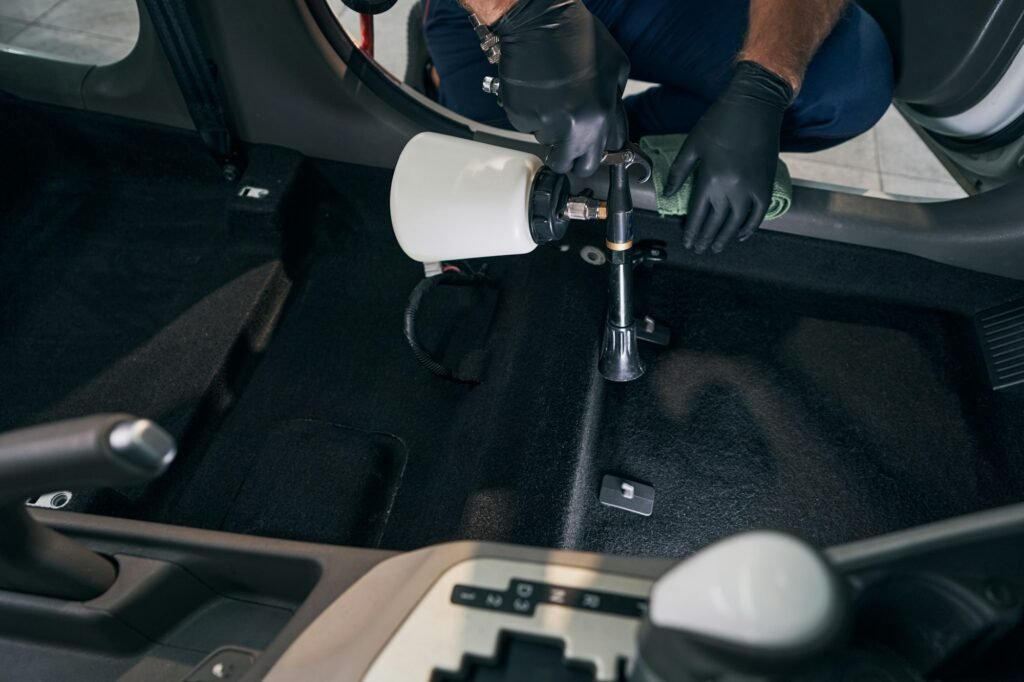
{"x": 688, "y": 48}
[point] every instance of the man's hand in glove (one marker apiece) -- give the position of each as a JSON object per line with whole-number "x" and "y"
{"x": 734, "y": 150}
{"x": 562, "y": 76}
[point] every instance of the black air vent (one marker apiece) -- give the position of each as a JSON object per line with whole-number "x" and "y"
{"x": 1001, "y": 331}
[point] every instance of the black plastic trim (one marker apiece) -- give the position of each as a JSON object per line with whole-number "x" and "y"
{"x": 379, "y": 82}
{"x": 985, "y": 84}
{"x": 262, "y": 570}
{"x": 949, "y": 55}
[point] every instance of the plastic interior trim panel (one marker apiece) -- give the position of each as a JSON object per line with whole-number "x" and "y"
{"x": 997, "y": 110}
{"x": 908, "y": 545}
{"x": 949, "y": 54}
{"x": 371, "y": 631}
{"x": 428, "y": 115}
{"x": 231, "y": 563}
{"x": 346, "y": 640}
{"x": 984, "y": 233}
{"x": 139, "y": 86}
{"x": 438, "y": 633}
{"x": 380, "y": 83}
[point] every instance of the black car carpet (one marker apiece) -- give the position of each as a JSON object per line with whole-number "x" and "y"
{"x": 835, "y": 407}
{"x": 832, "y": 391}
{"x": 121, "y": 288}
{"x": 339, "y": 357}
{"x": 777, "y": 409}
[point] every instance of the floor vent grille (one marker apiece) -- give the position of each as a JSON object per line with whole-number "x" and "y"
{"x": 1001, "y": 331}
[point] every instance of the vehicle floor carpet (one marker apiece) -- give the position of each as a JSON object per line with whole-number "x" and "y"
{"x": 120, "y": 287}
{"x": 827, "y": 390}
{"x": 491, "y": 461}
{"x": 834, "y": 419}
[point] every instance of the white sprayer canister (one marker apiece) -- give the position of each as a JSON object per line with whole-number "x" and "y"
{"x": 453, "y": 198}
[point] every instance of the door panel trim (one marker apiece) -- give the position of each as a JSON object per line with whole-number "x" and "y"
{"x": 996, "y": 111}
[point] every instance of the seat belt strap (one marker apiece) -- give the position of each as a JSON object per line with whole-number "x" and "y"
{"x": 195, "y": 76}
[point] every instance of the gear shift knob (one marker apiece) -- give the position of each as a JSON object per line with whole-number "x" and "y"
{"x": 756, "y": 604}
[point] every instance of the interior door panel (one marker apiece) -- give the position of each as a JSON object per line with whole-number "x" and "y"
{"x": 950, "y": 54}
{"x": 960, "y": 81}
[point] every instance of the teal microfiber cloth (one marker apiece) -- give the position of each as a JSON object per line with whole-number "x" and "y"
{"x": 663, "y": 149}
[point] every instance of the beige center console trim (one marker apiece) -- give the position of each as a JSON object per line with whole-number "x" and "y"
{"x": 438, "y": 633}
{"x": 354, "y": 635}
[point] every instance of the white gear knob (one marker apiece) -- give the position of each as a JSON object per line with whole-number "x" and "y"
{"x": 759, "y": 602}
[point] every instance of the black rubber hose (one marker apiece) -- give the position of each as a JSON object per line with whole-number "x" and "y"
{"x": 415, "y": 299}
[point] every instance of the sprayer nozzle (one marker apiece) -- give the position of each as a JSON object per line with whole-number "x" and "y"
{"x": 585, "y": 208}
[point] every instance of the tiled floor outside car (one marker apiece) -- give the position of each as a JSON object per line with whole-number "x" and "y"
{"x": 90, "y": 31}
{"x": 889, "y": 158}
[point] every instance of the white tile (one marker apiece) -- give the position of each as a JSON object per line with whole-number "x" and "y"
{"x": 10, "y": 28}
{"x": 800, "y": 167}
{"x": 860, "y": 153}
{"x": 391, "y": 41}
{"x": 72, "y": 46}
{"x": 634, "y": 87}
{"x": 108, "y": 18}
{"x": 901, "y": 151}
{"x": 337, "y": 7}
{"x": 25, "y": 10}
{"x": 389, "y": 30}
{"x": 916, "y": 187}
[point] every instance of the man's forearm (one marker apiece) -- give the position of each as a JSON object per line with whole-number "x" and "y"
{"x": 488, "y": 11}
{"x": 784, "y": 35}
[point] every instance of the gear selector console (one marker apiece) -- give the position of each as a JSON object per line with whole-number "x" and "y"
{"x": 756, "y": 606}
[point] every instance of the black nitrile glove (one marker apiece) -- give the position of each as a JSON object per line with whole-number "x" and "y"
{"x": 734, "y": 149}
{"x": 562, "y": 76}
